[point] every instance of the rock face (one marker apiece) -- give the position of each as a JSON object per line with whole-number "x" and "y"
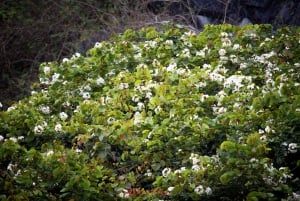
{"x": 275, "y": 12}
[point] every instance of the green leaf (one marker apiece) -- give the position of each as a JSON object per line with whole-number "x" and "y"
{"x": 156, "y": 166}
{"x": 228, "y": 176}
{"x": 228, "y": 145}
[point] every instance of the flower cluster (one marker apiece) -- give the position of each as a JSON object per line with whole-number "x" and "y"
{"x": 186, "y": 114}
{"x": 200, "y": 190}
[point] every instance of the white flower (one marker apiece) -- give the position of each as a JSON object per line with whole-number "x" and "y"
{"x": 236, "y": 47}
{"x": 140, "y": 106}
{"x": 137, "y": 118}
{"x": 222, "y": 52}
{"x": 75, "y": 56}
{"x": 75, "y": 66}
{"x": 171, "y": 67}
{"x": 1, "y": 138}
{"x": 49, "y": 153}
{"x": 296, "y": 196}
{"x": 98, "y": 45}
{"x": 206, "y": 66}
{"x": 20, "y": 137}
{"x": 150, "y": 44}
{"x": 171, "y": 188}
{"x": 44, "y": 109}
{"x": 17, "y": 174}
{"x": 219, "y": 110}
{"x": 263, "y": 138}
{"x": 233, "y": 58}
{"x": 224, "y": 34}
{"x": 166, "y": 172}
{"x": 11, "y": 166}
{"x": 145, "y": 140}
{"x": 194, "y": 158}
{"x": 66, "y": 104}
{"x": 47, "y": 69}
{"x": 110, "y": 120}
{"x": 124, "y": 194}
{"x": 216, "y": 77}
{"x": 148, "y": 174}
{"x": 148, "y": 95}
{"x": 55, "y": 77}
{"x": 150, "y": 135}
{"x": 251, "y": 86}
{"x": 182, "y": 71}
{"x": 179, "y": 171}
{"x": 11, "y": 108}
{"x": 243, "y": 66}
{"x": 268, "y": 129}
{"x": 38, "y": 129}
{"x": 226, "y": 42}
{"x": 86, "y": 95}
{"x": 224, "y": 59}
{"x": 236, "y": 81}
{"x": 268, "y": 180}
{"x": 189, "y": 33}
{"x": 78, "y": 150}
{"x": 236, "y": 105}
{"x": 157, "y": 109}
{"x": 169, "y": 42}
{"x": 135, "y": 98}
{"x": 267, "y": 39}
{"x": 100, "y": 81}
{"x": 58, "y": 128}
{"x": 253, "y": 160}
{"x": 196, "y": 167}
{"x": 44, "y": 81}
{"x": 123, "y": 86}
{"x": 138, "y": 56}
{"x": 252, "y": 35}
{"x": 87, "y": 88}
{"x": 65, "y": 60}
{"x": 156, "y": 63}
{"x": 293, "y": 148}
{"x": 194, "y": 117}
{"x": 44, "y": 124}
{"x": 186, "y": 53}
{"x": 14, "y": 139}
{"x": 199, "y": 190}
{"x": 208, "y": 191}
{"x": 262, "y": 44}
{"x": 63, "y": 116}
{"x": 200, "y": 53}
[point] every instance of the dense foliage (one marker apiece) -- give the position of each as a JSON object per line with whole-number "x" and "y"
{"x": 161, "y": 115}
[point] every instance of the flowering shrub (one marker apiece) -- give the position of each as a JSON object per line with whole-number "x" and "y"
{"x": 161, "y": 115}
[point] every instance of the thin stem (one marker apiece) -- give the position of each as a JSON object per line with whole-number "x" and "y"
{"x": 225, "y": 12}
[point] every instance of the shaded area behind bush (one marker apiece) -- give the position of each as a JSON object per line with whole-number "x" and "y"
{"x": 36, "y": 31}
